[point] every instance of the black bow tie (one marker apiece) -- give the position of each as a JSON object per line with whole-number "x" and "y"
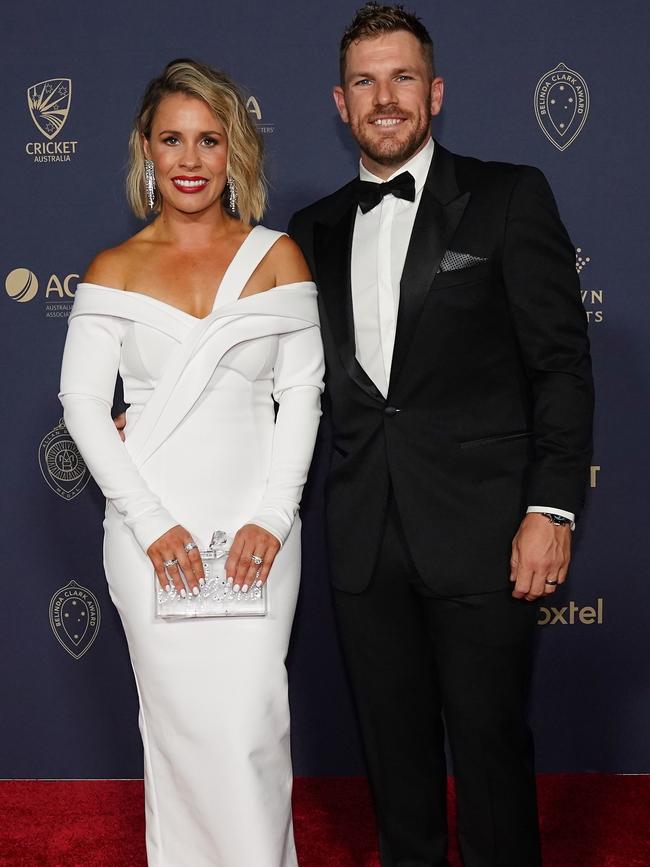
{"x": 369, "y": 194}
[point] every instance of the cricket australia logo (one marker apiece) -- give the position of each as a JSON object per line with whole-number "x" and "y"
{"x": 62, "y": 466}
{"x": 561, "y": 105}
{"x": 49, "y": 104}
{"x": 75, "y": 618}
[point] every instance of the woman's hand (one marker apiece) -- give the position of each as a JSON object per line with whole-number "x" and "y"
{"x": 251, "y": 557}
{"x": 173, "y": 553}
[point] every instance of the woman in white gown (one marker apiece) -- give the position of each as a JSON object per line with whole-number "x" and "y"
{"x": 210, "y": 324}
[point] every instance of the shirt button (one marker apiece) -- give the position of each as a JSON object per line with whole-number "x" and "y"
{"x": 390, "y": 410}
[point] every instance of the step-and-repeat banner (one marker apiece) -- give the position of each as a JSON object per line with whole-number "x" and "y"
{"x": 560, "y": 85}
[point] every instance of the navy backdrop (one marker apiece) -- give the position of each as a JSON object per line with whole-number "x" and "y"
{"x": 69, "y": 705}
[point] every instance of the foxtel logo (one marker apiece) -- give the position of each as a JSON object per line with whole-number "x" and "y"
{"x": 571, "y": 614}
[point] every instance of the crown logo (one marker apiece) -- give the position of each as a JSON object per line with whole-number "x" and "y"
{"x": 581, "y": 261}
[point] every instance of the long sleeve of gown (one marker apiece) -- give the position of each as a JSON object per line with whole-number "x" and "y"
{"x": 298, "y": 385}
{"x": 90, "y": 364}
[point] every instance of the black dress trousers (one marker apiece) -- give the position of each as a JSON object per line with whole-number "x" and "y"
{"x": 420, "y": 663}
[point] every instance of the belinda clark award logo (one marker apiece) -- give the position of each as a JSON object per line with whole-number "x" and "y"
{"x": 49, "y": 106}
{"x": 75, "y": 617}
{"x": 561, "y": 105}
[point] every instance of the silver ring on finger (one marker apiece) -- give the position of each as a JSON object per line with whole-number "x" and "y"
{"x": 257, "y": 559}
{"x": 551, "y": 581}
{"x": 168, "y": 563}
{"x": 190, "y": 546}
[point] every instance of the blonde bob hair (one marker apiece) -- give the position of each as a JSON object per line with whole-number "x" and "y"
{"x": 245, "y": 152}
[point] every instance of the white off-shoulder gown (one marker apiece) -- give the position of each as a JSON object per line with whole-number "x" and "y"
{"x": 203, "y": 449}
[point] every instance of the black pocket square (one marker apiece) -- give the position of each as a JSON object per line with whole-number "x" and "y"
{"x": 454, "y": 261}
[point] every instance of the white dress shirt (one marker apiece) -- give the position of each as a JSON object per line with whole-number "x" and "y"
{"x": 380, "y": 242}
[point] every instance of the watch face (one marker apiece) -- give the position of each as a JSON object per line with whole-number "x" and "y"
{"x": 556, "y": 519}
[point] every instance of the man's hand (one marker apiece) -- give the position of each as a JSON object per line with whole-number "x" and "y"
{"x": 540, "y": 557}
{"x": 120, "y": 423}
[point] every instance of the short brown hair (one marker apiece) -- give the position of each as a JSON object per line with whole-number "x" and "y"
{"x": 375, "y": 20}
{"x": 245, "y": 150}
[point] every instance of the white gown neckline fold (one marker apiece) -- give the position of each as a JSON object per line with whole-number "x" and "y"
{"x": 235, "y": 277}
{"x": 201, "y": 342}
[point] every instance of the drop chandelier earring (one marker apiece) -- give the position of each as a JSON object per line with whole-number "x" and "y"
{"x": 150, "y": 183}
{"x": 232, "y": 194}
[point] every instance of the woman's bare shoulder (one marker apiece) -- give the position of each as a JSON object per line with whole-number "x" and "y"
{"x": 112, "y": 266}
{"x": 288, "y": 263}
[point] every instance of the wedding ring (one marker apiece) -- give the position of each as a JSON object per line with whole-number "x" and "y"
{"x": 549, "y": 581}
{"x": 256, "y": 559}
{"x": 167, "y": 563}
{"x": 190, "y": 546}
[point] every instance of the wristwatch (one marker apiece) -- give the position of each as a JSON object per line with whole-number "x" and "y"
{"x": 559, "y": 520}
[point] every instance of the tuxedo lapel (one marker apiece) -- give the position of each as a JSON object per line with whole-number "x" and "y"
{"x": 332, "y": 255}
{"x": 439, "y": 213}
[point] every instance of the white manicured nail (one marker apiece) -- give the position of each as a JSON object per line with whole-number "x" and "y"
{"x": 236, "y": 588}
{"x": 195, "y": 591}
{"x": 244, "y": 588}
{"x": 183, "y": 593}
{"x": 258, "y": 583}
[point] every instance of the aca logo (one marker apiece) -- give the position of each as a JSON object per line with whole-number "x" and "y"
{"x": 75, "y": 617}
{"x": 561, "y": 105}
{"x": 49, "y": 107}
{"x": 253, "y": 107}
{"x": 22, "y": 284}
{"x": 61, "y": 463}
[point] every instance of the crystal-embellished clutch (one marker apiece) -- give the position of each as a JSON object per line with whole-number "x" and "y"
{"x": 216, "y": 598}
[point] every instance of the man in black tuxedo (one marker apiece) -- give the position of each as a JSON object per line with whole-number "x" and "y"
{"x": 460, "y": 400}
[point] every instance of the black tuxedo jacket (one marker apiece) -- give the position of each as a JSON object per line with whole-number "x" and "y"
{"x": 490, "y": 399}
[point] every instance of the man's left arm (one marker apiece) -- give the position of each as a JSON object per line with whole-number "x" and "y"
{"x": 544, "y": 297}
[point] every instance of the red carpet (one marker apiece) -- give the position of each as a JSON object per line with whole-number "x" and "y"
{"x": 588, "y": 820}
